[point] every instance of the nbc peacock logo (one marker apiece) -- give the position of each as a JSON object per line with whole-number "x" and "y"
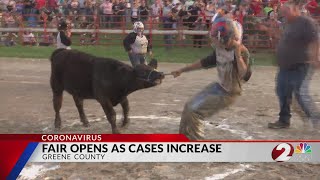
{"x": 303, "y": 148}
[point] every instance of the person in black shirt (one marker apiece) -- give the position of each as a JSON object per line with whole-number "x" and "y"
{"x": 143, "y": 12}
{"x": 63, "y": 37}
{"x": 297, "y": 50}
{"x": 118, "y": 10}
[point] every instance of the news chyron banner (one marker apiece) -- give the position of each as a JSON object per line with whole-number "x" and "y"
{"x": 17, "y": 150}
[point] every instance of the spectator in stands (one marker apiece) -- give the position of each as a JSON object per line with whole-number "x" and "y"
{"x": 312, "y": 7}
{"x": 174, "y": 14}
{"x": 89, "y": 10}
{"x": 303, "y": 10}
{"x": 200, "y": 25}
{"x": 62, "y": 6}
{"x": 52, "y": 6}
{"x": 106, "y": 15}
{"x": 19, "y": 6}
{"x": 281, "y": 2}
{"x": 10, "y": 20}
{"x": 183, "y": 19}
{"x": 273, "y": 26}
{"x": 54, "y": 21}
{"x": 193, "y": 10}
{"x": 9, "y": 17}
{"x": 184, "y": 15}
{"x": 210, "y": 11}
{"x": 229, "y": 6}
{"x": 155, "y": 12}
{"x": 255, "y": 7}
{"x": 167, "y": 22}
{"x": 88, "y": 7}
{"x": 268, "y": 9}
{"x": 219, "y": 3}
{"x": 40, "y": 4}
{"x": 118, "y": 11}
{"x": 29, "y": 38}
{"x": 30, "y": 13}
{"x": 82, "y": 10}
{"x": 134, "y": 12}
{"x": 238, "y": 15}
{"x": 12, "y": 3}
{"x": 74, "y": 8}
{"x": 46, "y": 39}
{"x": 188, "y": 3}
{"x": 244, "y": 7}
{"x": 3, "y": 5}
{"x": 122, "y": 4}
{"x": 143, "y": 12}
{"x": 46, "y": 16}
{"x": 10, "y": 39}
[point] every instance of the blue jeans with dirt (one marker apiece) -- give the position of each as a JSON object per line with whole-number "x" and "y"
{"x": 204, "y": 104}
{"x": 136, "y": 59}
{"x": 296, "y": 81}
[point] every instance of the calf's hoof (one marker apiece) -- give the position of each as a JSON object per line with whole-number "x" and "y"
{"x": 57, "y": 122}
{"x": 125, "y": 123}
{"x": 57, "y": 126}
{"x": 86, "y": 124}
{"x": 115, "y": 131}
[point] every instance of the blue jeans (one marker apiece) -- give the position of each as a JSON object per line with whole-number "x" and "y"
{"x": 167, "y": 37}
{"x": 295, "y": 81}
{"x": 106, "y": 20}
{"x": 136, "y": 59}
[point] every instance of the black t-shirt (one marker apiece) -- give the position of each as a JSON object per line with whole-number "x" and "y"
{"x": 295, "y": 41}
{"x": 143, "y": 12}
{"x": 65, "y": 39}
{"x": 117, "y": 7}
{"x": 193, "y": 10}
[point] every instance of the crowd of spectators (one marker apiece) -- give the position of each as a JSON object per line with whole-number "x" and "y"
{"x": 166, "y": 14}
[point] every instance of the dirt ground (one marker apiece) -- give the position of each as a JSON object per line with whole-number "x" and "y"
{"x": 26, "y": 108}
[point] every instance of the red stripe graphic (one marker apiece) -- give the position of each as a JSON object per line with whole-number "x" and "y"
{"x": 10, "y": 152}
{"x": 123, "y": 138}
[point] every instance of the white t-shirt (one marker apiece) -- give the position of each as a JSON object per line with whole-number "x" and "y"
{"x": 28, "y": 37}
{"x": 155, "y": 10}
{"x": 140, "y": 45}
{"x": 106, "y": 8}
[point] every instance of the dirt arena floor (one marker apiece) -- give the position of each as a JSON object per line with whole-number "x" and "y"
{"x": 26, "y": 108}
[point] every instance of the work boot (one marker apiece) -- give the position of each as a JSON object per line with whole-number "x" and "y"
{"x": 278, "y": 125}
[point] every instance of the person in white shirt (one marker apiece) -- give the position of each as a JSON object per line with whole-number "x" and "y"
{"x": 107, "y": 13}
{"x": 137, "y": 45}
{"x": 29, "y": 38}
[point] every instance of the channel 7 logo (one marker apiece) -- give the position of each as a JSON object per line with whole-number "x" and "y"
{"x": 284, "y": 151}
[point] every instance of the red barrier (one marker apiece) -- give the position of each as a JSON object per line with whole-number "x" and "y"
{"x": 253, "y": 38}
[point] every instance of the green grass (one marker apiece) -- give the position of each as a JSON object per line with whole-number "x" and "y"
{"x": 177, "y": 54}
